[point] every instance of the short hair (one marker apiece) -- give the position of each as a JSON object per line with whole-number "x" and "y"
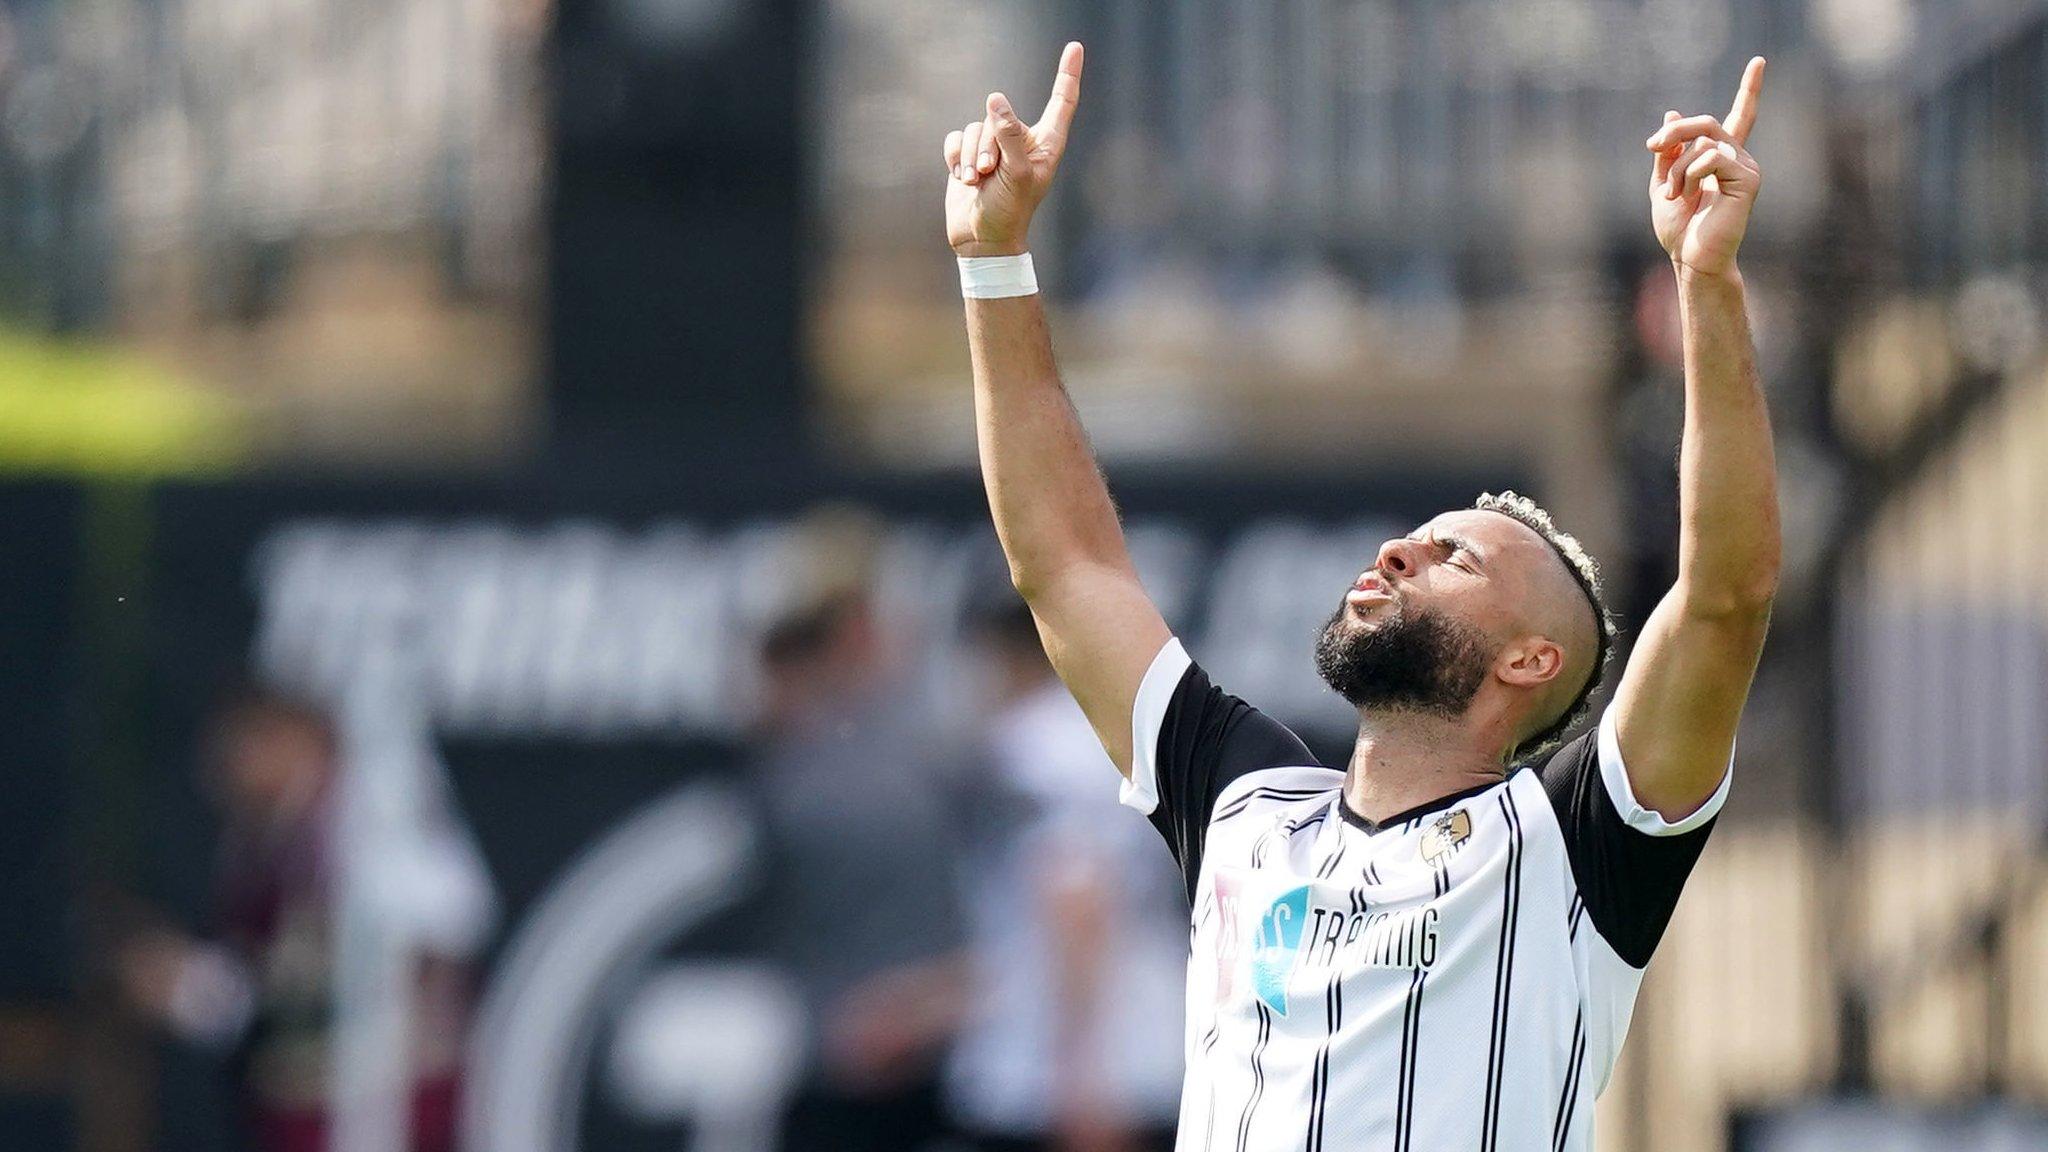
{"x": 1586, "y": 574}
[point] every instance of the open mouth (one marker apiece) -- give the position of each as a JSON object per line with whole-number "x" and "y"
{"x": 1367, "y": 591}
{"x": 1367, "y": 605}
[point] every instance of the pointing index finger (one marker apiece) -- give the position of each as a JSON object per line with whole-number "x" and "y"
{"x": 1066, "y": 94}
{"x": 1742, "y": 116}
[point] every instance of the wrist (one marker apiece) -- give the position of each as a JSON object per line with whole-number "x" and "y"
{"x": 975, "y": 248}
{"x": 1692, "y": 274}
{"x": 997, "y": 277}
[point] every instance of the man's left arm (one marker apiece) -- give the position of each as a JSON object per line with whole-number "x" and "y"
{"x": 1679, "y": 700}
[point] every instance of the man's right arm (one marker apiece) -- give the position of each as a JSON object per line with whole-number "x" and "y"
{"x": 1052, "y": 510}
{"x": 1057, "y": 524}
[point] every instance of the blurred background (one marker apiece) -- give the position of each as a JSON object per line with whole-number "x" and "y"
{"x": 503, "y": 648}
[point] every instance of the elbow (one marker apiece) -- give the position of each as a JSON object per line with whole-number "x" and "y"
{"x": 1038, "y": 571}
{"x": 1733, "y": 583}
{"x": 1028, "y": 582}
{"x": 1746, "y": 596}
{"x": 1754, "y": 601}
{"x": 1032, "y": 563}
{"x": 1034, "y": 577}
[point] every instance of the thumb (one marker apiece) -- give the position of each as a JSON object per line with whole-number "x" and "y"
{"x": 1011, "y": 133}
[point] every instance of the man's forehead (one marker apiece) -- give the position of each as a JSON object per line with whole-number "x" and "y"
{"x": 1507, "y": 545}
{"x": 1483, "y": 528}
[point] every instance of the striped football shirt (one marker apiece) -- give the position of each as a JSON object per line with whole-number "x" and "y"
{"x": 1459, "y": 976}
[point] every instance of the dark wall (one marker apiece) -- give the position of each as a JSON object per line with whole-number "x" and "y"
{"x": 673, "y": 231}
{"x": 39, "y": 571}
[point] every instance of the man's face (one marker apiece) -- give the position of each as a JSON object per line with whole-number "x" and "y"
{"x": 1419, "y": 629}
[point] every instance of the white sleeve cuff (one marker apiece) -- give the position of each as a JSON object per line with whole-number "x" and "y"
{"x": 1615, "y": 776}
{"x": 1148, "y": 713}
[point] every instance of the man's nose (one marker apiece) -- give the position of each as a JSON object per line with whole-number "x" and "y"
{"x": 1399, "y": 558}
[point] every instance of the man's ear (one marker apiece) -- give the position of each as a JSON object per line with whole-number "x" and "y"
{"x": 1530, "y": 662}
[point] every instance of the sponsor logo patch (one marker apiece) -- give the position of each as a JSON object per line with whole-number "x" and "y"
{"x": 1277, "y": 947}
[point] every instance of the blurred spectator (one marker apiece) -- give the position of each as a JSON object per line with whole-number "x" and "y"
{"x": 863, "y": 906}
{"x": 1078, "y": 930}
{"x": 259, "y": 988}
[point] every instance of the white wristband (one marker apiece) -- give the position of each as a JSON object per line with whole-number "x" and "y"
{"x": 997, "y": 277}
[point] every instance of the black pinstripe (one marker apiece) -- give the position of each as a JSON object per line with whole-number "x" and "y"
{"x": 1503, "y": 975}
{"x": 1244, "y": 1122}
{"x": 1263, "y": 793}
{"x": 1329, "y": 867}
{"x": 1411, "y": 1029}
{"x": 1411, "y": 1035}
{"x": 1568, "y": 1100}
{"x": 1319, "y": 1076}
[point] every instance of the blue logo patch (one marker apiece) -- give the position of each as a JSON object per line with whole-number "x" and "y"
{"x": 1277, "y": 947}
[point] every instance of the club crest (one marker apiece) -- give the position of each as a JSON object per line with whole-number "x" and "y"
{"x": 1445, "y": 833}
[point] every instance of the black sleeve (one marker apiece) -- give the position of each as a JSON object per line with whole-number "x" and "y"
{"x": 1208, "y": 739}
{"x": 1630, "y": 879}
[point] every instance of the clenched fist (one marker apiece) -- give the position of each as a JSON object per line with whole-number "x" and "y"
{"x": 1703, "y": 182}
{"x": 998, "y": 168}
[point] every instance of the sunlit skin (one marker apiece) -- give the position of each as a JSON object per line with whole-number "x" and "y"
{"x": 1493, "y": 573}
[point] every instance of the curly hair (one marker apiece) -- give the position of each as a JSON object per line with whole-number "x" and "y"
{"x": 1586, "y": 574}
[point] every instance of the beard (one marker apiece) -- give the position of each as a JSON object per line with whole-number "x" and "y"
{"x": 1425, "y": 663}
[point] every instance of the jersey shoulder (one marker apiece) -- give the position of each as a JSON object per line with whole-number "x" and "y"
{"x": 1266, "y": 789}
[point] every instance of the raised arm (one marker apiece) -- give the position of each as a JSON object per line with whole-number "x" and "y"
{"x": 1682, "y": 694}
{"x": 1052, "y": 510}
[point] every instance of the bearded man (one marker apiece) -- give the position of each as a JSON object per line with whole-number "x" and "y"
{"x": 1439, "y": 946}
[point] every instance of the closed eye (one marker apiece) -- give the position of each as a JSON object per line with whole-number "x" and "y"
{"x": 1458, "y": 553}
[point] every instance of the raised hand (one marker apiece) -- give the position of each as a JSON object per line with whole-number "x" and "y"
{"x": 999, "y": 169}
{"x": 1703, "y": 180}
